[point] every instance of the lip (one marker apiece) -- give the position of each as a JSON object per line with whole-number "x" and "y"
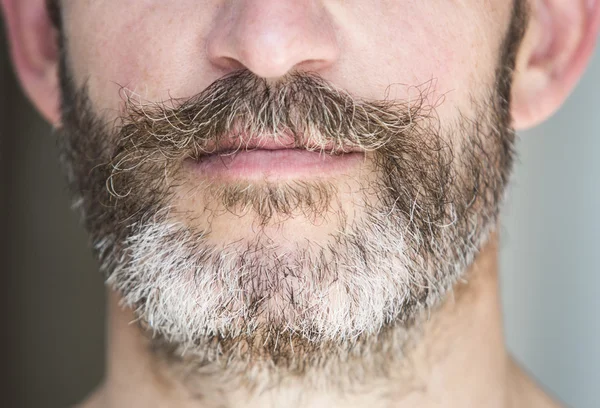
{"x": 261, "y": 164}
{"x": 281, "y": 157}
{"x": 283, "y": 141}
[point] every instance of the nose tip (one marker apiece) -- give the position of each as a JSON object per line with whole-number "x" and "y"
{"x": 273, "y": 37}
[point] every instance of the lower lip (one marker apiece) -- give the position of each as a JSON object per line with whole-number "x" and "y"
{"x": 282, "y": 163}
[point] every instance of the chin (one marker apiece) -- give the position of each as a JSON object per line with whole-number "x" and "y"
{"x": 325, "y": 279}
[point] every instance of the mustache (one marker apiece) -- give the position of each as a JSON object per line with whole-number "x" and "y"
{"x": 241, "y": 105}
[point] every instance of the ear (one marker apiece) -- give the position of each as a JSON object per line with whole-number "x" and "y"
{"x": 555, "y": 52}
{"x": 34, "y": 50}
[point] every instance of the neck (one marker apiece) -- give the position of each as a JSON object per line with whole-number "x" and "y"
{"x": 459, "y": 360}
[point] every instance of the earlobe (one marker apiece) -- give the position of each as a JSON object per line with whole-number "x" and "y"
{"x": 35, "y": 55}
{"x": 559, "y": 43}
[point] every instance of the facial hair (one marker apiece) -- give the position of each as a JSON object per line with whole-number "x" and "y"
{"x": 424, "y": 214}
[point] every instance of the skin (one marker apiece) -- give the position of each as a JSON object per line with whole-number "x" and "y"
{"x": 175, "y": 49}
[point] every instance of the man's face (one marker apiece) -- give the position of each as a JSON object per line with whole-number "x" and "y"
{"x": 213, "y": 232}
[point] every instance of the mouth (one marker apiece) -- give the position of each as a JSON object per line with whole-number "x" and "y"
{"x": 266, "y": 158}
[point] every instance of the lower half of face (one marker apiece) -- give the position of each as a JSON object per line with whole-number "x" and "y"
{"x": 290, "y": 209}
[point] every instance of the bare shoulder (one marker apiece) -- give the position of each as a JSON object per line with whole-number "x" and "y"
{"x": 525, "y": 392}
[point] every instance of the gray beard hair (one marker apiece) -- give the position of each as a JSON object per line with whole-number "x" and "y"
{"x": 247, "y": 307}
{"x": 256, "y": 309}
{"x": 258, "y": 312}
{"x": 332, "y": 315}
{"x": 330, "y": 291}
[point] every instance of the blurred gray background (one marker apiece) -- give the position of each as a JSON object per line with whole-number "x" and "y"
{"x": 53, "y": 297}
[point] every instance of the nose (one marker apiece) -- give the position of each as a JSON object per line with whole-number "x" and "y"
{"x": 272, "y": 37}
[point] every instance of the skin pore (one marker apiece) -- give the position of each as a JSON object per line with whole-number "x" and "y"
{"x": 374, "y": 285}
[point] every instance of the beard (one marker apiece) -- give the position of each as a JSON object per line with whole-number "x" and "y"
{"x": 393, "y": 241}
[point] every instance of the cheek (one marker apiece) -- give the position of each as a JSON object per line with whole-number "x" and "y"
{"x": 450, "y": 54}
{"x": 451, "y": 51}
{"x": 153, "y": 50}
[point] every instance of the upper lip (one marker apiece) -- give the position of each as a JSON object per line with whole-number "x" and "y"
{"x": 230, "y": 144}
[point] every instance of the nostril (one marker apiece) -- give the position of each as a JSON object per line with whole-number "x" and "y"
{"x": 228, "y": 63}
